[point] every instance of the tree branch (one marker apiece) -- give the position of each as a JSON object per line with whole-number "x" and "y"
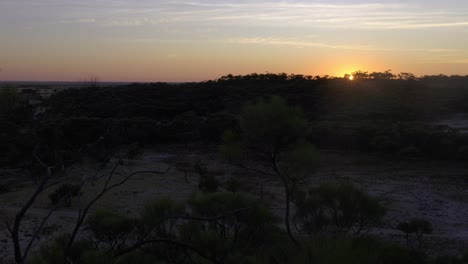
{"x": 167, "y": 241}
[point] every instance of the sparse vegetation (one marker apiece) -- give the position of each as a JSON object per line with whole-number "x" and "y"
{"x": 337, "y": 208}
{"x": 270, "y": 127}
{"x": 414, "y": 231}
{"x": 272, "y": 135}
{"x": 64, "y": 194}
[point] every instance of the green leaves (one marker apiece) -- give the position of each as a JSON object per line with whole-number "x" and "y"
{"x": 272, "y": 123}
{"x": 341, "y": 207}
{"x": 271, "y": 132}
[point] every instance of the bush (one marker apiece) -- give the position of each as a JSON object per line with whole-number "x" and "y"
{"x": 415, "y": 229}
{"x": 207, "y": 181}
{"x": 110, "y": 228}
{"x": 53, "y": 252}
{"x": 64, "y": 194}
{"x": 339, "y": 208}
{"x": 342, "y": 249}
{"x": 236, "y": 224}
{"x": 160, "y": 217}
{"x": 233, "y": 184}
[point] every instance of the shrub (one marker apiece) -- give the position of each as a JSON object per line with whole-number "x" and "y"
{"x": 160, "y": 217}
{"x": 235, "y": 224}
{"x": 53, "y": 252}
{"x": 207, "y": 181}
{"x": 110, "y": 228}
{"x": 415, "y": 227}
{"x": 233, "y": 184}
{"x": 64, "y": 194}
{"x": 340, "y": 207}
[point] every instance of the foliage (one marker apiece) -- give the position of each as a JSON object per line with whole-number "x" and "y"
{"x": 414, "y": 229}
{"x": 272, "y": 134}
{"x": 53, "y": 252}
{"x": 207, "y": 180}
{"x": 338, "y": 208}
{"x": 110, "y": 228}
{"x": 10, "y": 102}
{"x": 64, "y": 194}
{"x": 236, "y": 225}
{"x": 160, "y": 218}
{"x": 233, "y": 184}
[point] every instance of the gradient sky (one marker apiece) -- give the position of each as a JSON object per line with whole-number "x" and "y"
{"x": 150, "y": 40}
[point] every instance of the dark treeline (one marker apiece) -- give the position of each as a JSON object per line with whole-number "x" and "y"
{"x": 378, "y": 115}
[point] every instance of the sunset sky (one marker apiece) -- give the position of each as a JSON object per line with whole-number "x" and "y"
{"x": 150, "y": 40}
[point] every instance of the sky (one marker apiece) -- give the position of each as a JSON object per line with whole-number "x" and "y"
{"x": 196, "y": 40}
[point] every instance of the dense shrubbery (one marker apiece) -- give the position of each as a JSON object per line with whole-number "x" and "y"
{"x": 16, "y": 135}
{"x": 375, "y": 114}
{"x": 371, "y": 114}
{"x": 337, "y": 208}
{"x": 403, "y": 139}
{"x": 223, "y": 228}
{"x": 63, "y": 195}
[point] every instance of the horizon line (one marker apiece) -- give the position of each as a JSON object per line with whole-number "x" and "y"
{"x": 218, "y": 78}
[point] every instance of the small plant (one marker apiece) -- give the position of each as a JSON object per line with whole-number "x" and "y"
{"x": 233, "y": 185}
{"x": 237, "y": 224}
{"x": 160, "y": 217}
{"x": 64, "y": 194}
{"x": 415, "y": 229}
{"x": 110, "y": 228}
{"x": 340, "y": 208}
{"x": 207, "y": 181}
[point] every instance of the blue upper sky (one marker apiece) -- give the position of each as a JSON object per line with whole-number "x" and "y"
{"x": 196, "y": 40}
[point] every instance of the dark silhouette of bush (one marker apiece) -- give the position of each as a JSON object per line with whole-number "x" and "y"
{"x": 238, "y": 225}
{"x": 64, "y": 194}
{"x": 207, "y": 180}
{"x": 273, "y": 135}
{"x": 338, "y": 208}
{"x": 110, "y": 229}
{"x": 160, "y": 218}
{"x": 415, "y": 229}
{"x": 233, "y": 184}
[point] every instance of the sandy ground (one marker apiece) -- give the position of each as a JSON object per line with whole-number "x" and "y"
{"x": 436, "y": 191}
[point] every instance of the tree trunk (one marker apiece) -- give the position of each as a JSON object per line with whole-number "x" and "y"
{"x": 287, "y": 211}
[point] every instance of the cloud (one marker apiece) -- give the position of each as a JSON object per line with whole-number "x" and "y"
{"x": 319, "y": 15}
{"x": 80, "y": 21}
{"x": 296, "y": 43}
{"x": 242, "y": 13}
{"x": 300, "y": 14}
{"x": 301, "y": 44}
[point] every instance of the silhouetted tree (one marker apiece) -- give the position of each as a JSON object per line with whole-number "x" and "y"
{"x": 272, "y": 134}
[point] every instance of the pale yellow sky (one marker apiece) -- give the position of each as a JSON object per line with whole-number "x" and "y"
{"x": 148, "y": 40}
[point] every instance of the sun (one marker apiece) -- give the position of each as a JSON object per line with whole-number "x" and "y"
{"x": 351, "y": 77}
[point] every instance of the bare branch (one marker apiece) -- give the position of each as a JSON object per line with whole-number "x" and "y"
{"x": 167, "y": 241}
{"x": 82, "y": 214}
{"x": 36, "y": 232}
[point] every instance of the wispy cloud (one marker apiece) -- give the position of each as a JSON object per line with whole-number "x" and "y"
{"x": 375, "y": 15}
{"x": 296, "y": 43}
{"x": 80, "y": 21}
{"x": 302, "y": 44}
{"x": 301, "y": 14}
